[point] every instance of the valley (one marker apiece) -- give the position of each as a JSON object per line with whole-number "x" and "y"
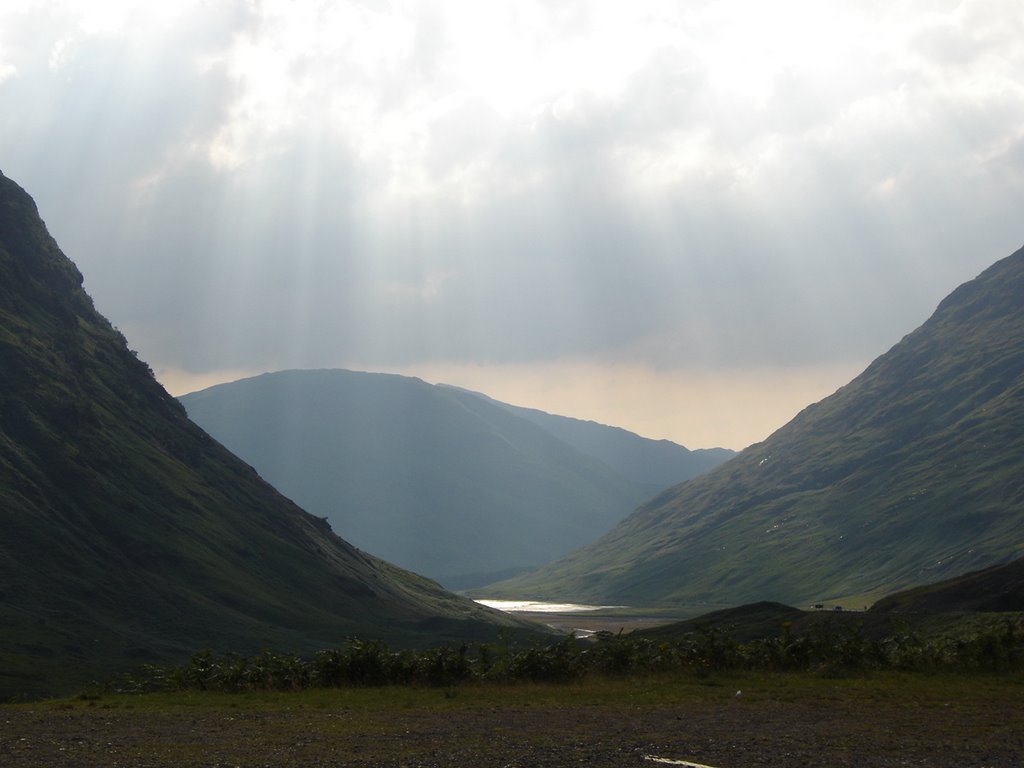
{"x": 910, "y": 474}
{"x": 442, "y": 481}
{"x": 188, "y": 611}
{"x": 371, "y": 374}
{"x": 586, "y": 620}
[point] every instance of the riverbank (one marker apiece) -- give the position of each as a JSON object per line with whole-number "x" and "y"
{"x": 726, "y": 721}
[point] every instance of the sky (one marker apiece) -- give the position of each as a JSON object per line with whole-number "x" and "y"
{"x": 688, "y": 219}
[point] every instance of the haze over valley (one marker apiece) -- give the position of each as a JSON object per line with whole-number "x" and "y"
{"x": 317, "y": 319}
{"x": 439, "y": 480}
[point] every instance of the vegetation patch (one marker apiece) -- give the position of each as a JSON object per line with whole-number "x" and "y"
{"x": 828, "y": 650}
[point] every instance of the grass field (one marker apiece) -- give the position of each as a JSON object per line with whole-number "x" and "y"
{"x": 723, "y": 720}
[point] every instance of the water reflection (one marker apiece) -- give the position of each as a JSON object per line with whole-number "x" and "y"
{"x": 534, "y": 606}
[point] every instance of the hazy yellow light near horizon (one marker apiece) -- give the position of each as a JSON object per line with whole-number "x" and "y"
{"x": 694, "y": 409}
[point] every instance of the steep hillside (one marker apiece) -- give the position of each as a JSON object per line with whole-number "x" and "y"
{"x": 911, "y": 473}
{"x": 996, "y": 589}
{"x": 127, "y": 534}
{"x": 434, "y": 479}
{"x": 653, "y": 464}
{"x": 955, "y": 606}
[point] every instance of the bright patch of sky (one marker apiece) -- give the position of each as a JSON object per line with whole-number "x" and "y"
{"x": 687, "y": 219}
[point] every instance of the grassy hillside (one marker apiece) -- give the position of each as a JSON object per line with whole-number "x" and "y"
{"x": 129, "y": 535}
{"x": 961, "y": 607}
{"x": 911, "y": 473}
{"x": 434, "y": 479}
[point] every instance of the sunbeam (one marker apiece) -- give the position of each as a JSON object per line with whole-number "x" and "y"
{"x": 705, "y": 196}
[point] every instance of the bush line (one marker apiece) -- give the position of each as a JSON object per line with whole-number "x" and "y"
{"x": 371, "y": 663}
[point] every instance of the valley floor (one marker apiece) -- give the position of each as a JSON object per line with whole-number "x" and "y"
{"x": 722, "y": 721}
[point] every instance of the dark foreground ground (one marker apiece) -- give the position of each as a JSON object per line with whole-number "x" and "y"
{"x": 725, "y": 721}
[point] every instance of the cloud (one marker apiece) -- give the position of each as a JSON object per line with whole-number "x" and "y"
{"x": 706, "y": 188}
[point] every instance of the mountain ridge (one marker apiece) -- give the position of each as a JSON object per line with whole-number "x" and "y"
{"x": 912, "y": 472}
{"x": 440, "y": 480}
{"x": 129, "y": 535}
{"x": 997, "y": 589}
{"x": 655, "y": 464}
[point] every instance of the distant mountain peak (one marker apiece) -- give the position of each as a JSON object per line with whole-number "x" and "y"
{"x": 438, "y": 479}
{"x": 653, "y": 464}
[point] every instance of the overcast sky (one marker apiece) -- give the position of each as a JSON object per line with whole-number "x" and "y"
{"x": 690, "y": 219}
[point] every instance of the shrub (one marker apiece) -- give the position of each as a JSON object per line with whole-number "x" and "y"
{"x": 370, "y": 663}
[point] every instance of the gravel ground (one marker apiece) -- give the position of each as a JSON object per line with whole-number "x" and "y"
{"x": 724, "y": 731}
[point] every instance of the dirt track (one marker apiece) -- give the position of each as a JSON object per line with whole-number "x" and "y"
{"x": 725, "y": 731}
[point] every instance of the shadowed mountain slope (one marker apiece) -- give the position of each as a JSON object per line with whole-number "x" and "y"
{"x": 655, "y": 465}
{"x": 960, "y": 605}
{"x": 912, "y": 472}
{"x": 127, "y": 534}
{"x": 437, "y": 479}
{"x": 996, "y": 589}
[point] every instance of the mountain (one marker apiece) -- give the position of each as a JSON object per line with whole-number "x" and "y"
{"x": 436, "y": 479}
{"x": 911, "y": 473}
{"x": 993, "y": 590}
{"x": 957, "y": 606}
{"x": 652, "y": 464}
{"x": 128, "y": 535}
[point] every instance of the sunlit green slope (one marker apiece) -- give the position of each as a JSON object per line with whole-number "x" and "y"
{"x": 911, "y": 473}
{"x": 129, "y": 535}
